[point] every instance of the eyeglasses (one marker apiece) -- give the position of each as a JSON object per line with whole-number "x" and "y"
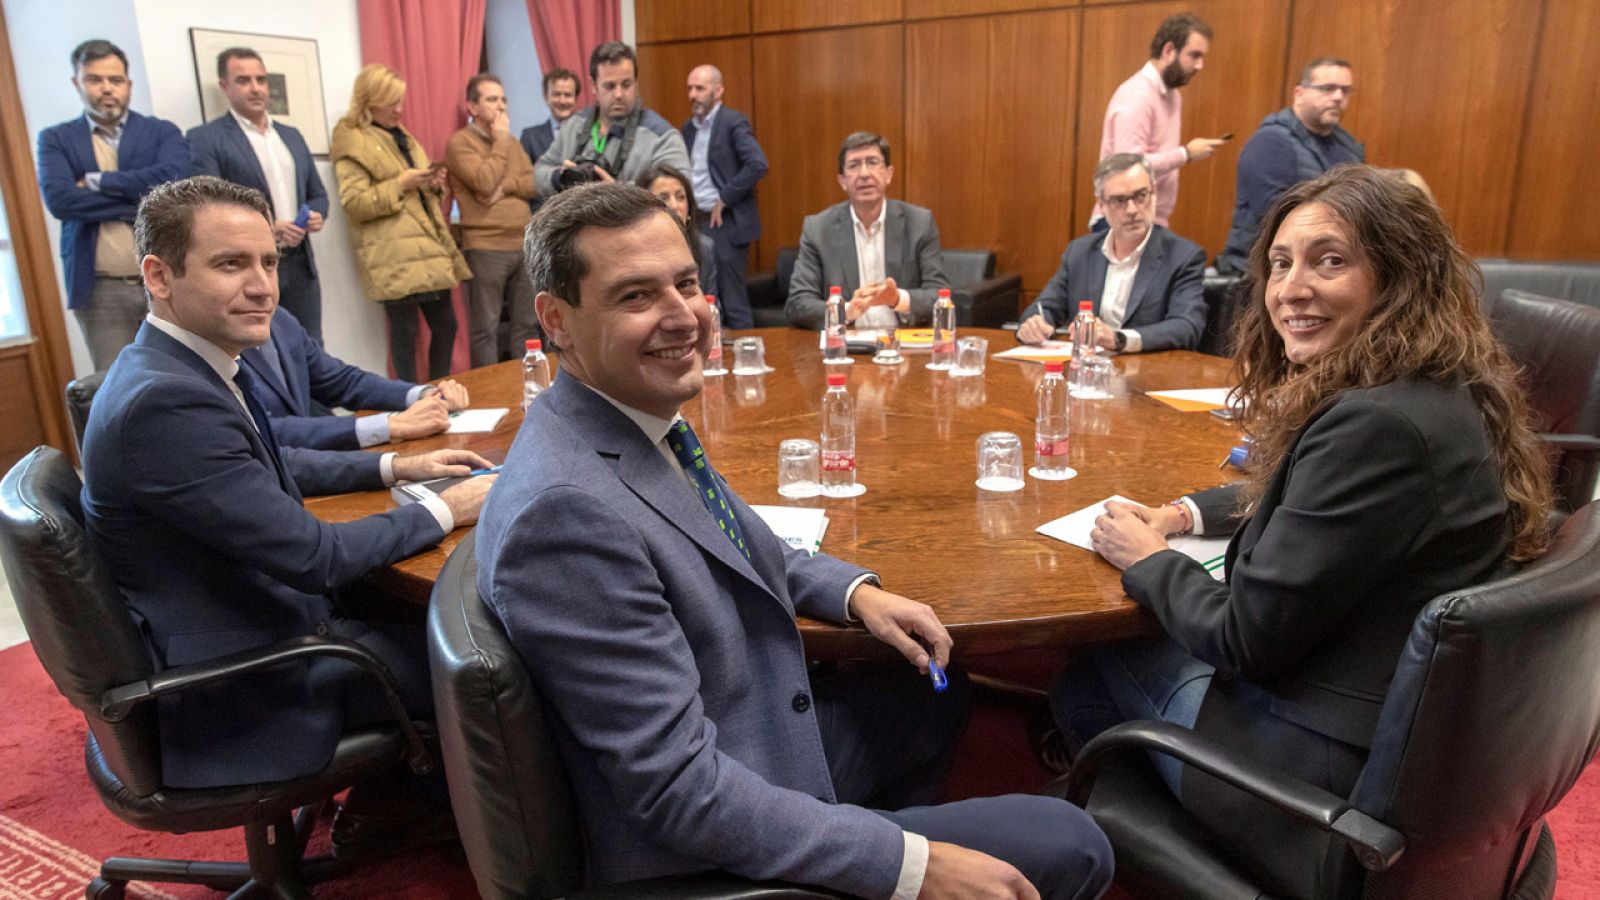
{"x": 871, "y": 164}
{"x": 1346, "y": 89}
{"x": 1118, "y": 201}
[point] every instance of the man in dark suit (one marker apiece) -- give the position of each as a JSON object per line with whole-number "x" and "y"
{"x": 725, "y": 162}
{"x": 245, "y": 146}
{"x": 295, "y": 375}
{"x": 882, "y": 252}
{"x": 1144, "y": 280}
{"x": 561, "y": 97}
{"x": 197, "y": 509}
{"x": 655, "y": 612}
{"x": 93, "y": 171}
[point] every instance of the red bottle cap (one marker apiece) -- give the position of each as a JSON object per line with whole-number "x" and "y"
{"x": 1085, "y": 306}
{"x": 534, "y": 344}
{"x": 944, "y": 292}
{"x": 1053, "y": 365}
{"x": 711, "y": 299}
{"x": 836, "y": 380}
{"x": 835, "y": 290}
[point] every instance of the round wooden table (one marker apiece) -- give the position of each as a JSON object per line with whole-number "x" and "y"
{"x": 923, "y": 525}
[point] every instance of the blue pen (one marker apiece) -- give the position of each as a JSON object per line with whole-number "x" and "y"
{"x": 492, "y": 470}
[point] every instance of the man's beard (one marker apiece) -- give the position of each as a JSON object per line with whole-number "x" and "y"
{"x": 1173, "y": 76}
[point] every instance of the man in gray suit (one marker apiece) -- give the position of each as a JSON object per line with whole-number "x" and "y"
{"x": 1144, "y": 280}
{"x": 655, "y": 612}
{"x": 884, "y": 253}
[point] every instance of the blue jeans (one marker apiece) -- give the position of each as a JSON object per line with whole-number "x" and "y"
{"x": 1146, "y": 679}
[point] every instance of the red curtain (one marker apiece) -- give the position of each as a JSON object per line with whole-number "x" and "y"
{"x": 565, "y": 32}
{"x": 435, "y": 45}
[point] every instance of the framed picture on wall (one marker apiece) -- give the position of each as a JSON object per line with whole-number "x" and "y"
{"x": 294, "y": 78}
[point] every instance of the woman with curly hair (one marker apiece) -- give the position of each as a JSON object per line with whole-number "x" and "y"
{"x": 1391, "y": 462}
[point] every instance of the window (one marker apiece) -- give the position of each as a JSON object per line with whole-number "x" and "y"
{"x": 13, "y": 312}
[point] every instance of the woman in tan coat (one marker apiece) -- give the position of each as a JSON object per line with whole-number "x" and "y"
{"x": 390, "y": 193}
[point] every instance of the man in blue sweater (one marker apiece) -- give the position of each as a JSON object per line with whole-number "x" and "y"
{"x": 1292, "y": 145}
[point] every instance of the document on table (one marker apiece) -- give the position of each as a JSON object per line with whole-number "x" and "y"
{"x": 1049, "y": 351}
{"x": 1074, "y": 529}
{"x": 1193, "y": 399}
{"x": 474, "y": 421}
{"x": 800, "y": 527}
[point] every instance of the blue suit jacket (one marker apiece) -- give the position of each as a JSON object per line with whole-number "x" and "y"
{"x": 309, "y": 373}
{"x": 676, "y": 677}
{"x": 736, "y": 163}
{"x": 1167, "y": 305}
{"x": 214, "y": 553}
{"x": 220, "y": 148}
{"x": 536, "y": 139}
{"x": 151, "y": 152}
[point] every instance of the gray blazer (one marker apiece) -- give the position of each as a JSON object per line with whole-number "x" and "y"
{"x": 828, "y": 257}
{"x": 675, "y": 675}
{"x": 1167, "y": 305}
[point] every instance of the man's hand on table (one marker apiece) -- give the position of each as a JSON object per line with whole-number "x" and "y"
{"x": 1035, "y": 330}
{"x": 898, "y": 621}
{"x": 466, "y": 499}
{"x": 429, "y": 415}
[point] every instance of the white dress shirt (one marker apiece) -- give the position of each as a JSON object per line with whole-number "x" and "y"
{"x": 870, "y": 267}
{"x": 1119, "y": 286}
{"x": 227, "y": 367}
{"x": 277, "y": 164}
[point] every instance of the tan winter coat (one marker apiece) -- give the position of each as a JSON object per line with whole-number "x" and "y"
{"x": 402, "y": 244}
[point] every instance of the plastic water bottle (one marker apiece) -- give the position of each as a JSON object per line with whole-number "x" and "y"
{"x": 834, "y": 351}
{"x": 944, "y": 332}
{"x": 838, "y": 439}
{"x": 1052, "y": 426}
{"x": 713, "y": 364}
{"x": 535, "y": 372}
{"x": 1083, "y": 329}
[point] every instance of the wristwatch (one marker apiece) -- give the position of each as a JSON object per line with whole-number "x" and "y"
{"x": 1121, "y": 341}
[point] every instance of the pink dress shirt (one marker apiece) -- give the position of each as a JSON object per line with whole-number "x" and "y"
{"x": 1145, "y": 116}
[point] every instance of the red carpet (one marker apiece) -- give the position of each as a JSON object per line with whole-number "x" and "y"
{"x": 54, "y": 831}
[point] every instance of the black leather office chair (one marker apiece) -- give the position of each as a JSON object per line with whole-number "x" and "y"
{"x": 508, "y": 786}
{"x": 1225, "y": 299}
{"x": 92, "y": 650}
{"x": 983, "y": 299}
{"x": 1557, "y": 344}
{"x": 1492, "y": 716}
{"x": 80, "y": 397}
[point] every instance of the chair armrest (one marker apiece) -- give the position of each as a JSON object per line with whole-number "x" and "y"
{"x": 988, "y": 303}
{"x": 762, "y": 289}
{"x": 1376, "y": 845}
{"x": 1575, "y": 444}
{"x": 116, "y": 703}
{"x": 705, "y": 886}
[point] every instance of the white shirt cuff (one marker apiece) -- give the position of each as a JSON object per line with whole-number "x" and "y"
{"x": 91, "y": 180}
{"x": 869, "y": 578}
{"x": 386, "y": 469}
{"x": 417, "y": 391}
{"x": 372, "y": 430}
{"x": 441, "y": 512}
{"x": 1194, "y": 516}
{"x": 1134, "y": 342}
{"x": 904, "y": 306}
{"x": 913, "y": 866}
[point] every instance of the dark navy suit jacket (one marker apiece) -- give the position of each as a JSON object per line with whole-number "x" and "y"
{"x": 737, "y": 163}
{"x": 536, "y": 139}
{"x": 309, "y": 373}
{"x": 151, "y": 152}
{"x": 220, "y": 148}
{"x": 207, "y": 537}
{"x": 1167, "y": 304}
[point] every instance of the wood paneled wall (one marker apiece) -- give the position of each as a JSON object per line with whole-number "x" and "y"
{"x": 994, "y": 107}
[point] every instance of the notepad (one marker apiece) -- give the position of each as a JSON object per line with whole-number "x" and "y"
{"x": 476, "y": 421}
{"x": 1193, "y": 399}
{"x": 800, "y": 527}
{"x": 1074, "y": 529}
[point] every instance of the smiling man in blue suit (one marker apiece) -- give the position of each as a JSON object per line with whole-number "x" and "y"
{"x": 656, "y": 613}
{"x": 93, "y": 171}
{"x": 246, "y": 146}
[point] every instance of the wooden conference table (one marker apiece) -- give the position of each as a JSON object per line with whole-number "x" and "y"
{"x": 922, "y": 525}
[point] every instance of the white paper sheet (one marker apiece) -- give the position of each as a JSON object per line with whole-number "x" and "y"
{"x": 1217, "y": 397}
{"x": 475, "y": 421}
{"x": 800, "y": 527}
{"x": 1044, "y": 351}
{"x": 1074, "y": 529}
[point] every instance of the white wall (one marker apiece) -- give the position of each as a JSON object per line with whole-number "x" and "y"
{"x": 155, "y": 35}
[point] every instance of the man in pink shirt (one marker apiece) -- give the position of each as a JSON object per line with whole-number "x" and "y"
{"x": 1146, "y": 113}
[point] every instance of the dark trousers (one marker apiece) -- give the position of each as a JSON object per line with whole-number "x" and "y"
{"x": 732, "y": 296}
{"x": 298, "y": 289}
{"x": 890, "y": 740}
{"x": 435, "y": 307}
{"x": 498, "y": 284}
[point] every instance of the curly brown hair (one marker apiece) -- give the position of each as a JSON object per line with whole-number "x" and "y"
{"x": 1424, "y": 322}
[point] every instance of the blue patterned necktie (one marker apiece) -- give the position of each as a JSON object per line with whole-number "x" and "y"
{"x": 686, "y": 447}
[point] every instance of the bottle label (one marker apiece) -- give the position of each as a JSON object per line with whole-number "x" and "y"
{"x": 838, "y": 461}
{"x": 1048, "y": 447}
{"x": 715, "y": 352}
{"x": 835, "y": 340}
{"x": 944, "y": 346}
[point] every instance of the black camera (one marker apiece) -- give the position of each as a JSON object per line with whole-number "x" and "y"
{"x": 581, "y": 172}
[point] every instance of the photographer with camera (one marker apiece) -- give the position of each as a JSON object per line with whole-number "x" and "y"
{"x": 616, "y": 139}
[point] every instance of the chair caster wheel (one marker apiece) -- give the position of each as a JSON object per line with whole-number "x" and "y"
{"x": 101, "y": 889}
